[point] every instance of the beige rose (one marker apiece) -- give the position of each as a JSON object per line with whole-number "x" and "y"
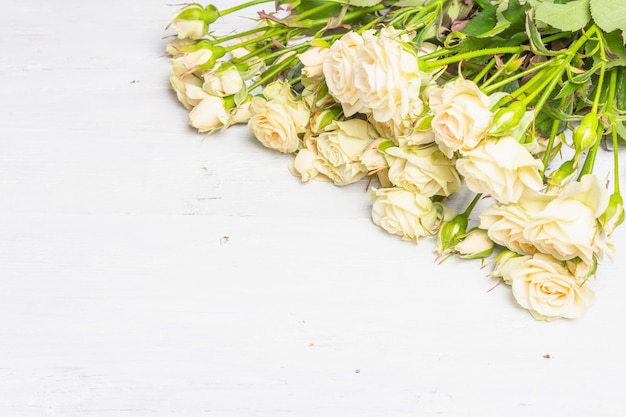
{"x": 340, "y": 148}
{"x": 338, "y": 69}
{"x": 403, "y": 213}
{"x": 505, "y": 225}
{"x": 189, "y": 29}
{"x": 424, "y": 170}
{"x": 277, "y": 119}
{"x": 412, "y": 130}
{"x": 502, "y": 168}
{"x": 188, "y": 86}
{"x": 307, "y": 164}
{"x": 195, "y": 59}
{"x": 545, "y": 287}
{"x": 387, "y": 76}
{"x": 313, "y": 61}
{"x": 224, "y": 80}
{"x": 461, "y": 116}
{"x": 568, "y": 227}
{"x": 210, "y": 115}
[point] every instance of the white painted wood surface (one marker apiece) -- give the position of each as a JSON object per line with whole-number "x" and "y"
{"x": 146, "y": 270}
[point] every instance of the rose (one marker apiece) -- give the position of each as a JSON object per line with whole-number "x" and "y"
{"x": 545, "y": 287}
{"x": 224, "y": 80}
{"x": 340, "y": 148}
{"x": 210, "y": 115}
{"x": 277, "y": 119}
{"x": 412, "y": 130}
{"x": 186, "y": 85}
{"x": 338, "y": 70}
{"x": 387, "y": 76}
{"x": 403, "y": 213}
{"x": 502, "y": 168}
{"x": 313, "y": 61}
{"x": 422, "y": 169}
{"x": 461, "y": 116}
{"x": 568, "y": 227}
{"x": 307, "y": 164}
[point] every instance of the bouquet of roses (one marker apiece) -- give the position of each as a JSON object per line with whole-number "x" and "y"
{"x": 509, "y": 99}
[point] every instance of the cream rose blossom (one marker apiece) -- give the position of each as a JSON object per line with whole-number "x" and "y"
{"x": 403, "y": 213}
{"x": 277, "y": 119}
{"x": 544, "y": 286}
{"x": 568, "y": 227}
{"x": 340, "y": 149}
{"x": 461, "y": 116}
{"x": 502, "y": 168}
{"x": 387, "y": 76}
{"x": 338, "y": 70}
{"x": 422, "y": 169}
{"x": 210, "y": 115}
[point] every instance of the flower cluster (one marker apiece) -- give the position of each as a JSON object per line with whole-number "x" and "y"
{"x": 425, "y": 98}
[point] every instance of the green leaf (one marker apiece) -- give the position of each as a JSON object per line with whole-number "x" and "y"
{"x": 516, "y": 13}
{"x": 609, "y": 15}
{"x": 616, "y": 50}
{"x": 482, "y": 23}
{"x": 567, "y": 17}
{"x": 304, "y": 5}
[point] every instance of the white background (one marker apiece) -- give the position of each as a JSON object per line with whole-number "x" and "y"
{"x": 148, "y": 270}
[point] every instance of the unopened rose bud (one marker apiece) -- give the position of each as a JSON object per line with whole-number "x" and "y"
{"x": 323, "y": 119}
{"x": 450, "y": 234}
{"x": 475, "y": 244}
{"x": 505, "y": 262}
{"x": 210, "y": 115}
{"x": 225, "y": 80}
{"x": 585, "y": 134}
{"x": 192, "y": 20}
{"x": 613, "y": 215}
{"x": 563, "y": 175}
{"x": 202, "y": 55}
{"x": 506, "y": 118}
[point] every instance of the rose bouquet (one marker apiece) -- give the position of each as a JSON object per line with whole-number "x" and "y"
{"x": 508, "y": 100}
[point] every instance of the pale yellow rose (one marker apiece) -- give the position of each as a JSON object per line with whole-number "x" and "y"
{"x": 504, "y": 263}
{"x": 313, "y": 61}
{"x": 424, "y": 170}
{"x": 461, "y": 116}
{"x": 307, "y": 164}
{"x": 210, "y": 115}
{"x": 194, "y": 59}
{"x": 545, "y": 287}
{"x": 403, "y": 213}
{"x": 189, "y": 29}
{"x": 372, "y": 158}
{"x": 568, "y": 227}
{"x": 502, "y": 168}
{"x": 505, "y": 225}
{"x": 412, "y": 130}
{"x": 387, "y": 76}
{"x": 338, "y": 69}
{"x": 223, "y": 81}
{"x": 340, "y": 148}
{"x": 476, "y": 244}
{"x": 188, "y": 86}
{"x": 277, "y": 119}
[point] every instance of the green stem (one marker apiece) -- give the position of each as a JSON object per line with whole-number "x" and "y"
{"x": 256, "y": 39}
{"x": 471, "y": 206}
{"x": 517, "y": 76}
{"x": 590, "y": 159}
{"x": 609, "y": 112}
{"x": 242, "y": 6}
{"x": 273, "y": 71}
{"x": 474, "y": 54}
{"x": 485, "y": 70}
{"x": 552, "y": 138}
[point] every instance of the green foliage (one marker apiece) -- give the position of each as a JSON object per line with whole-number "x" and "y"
{"x": 609, "y": 15}
{"x": 570, "y": 16}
